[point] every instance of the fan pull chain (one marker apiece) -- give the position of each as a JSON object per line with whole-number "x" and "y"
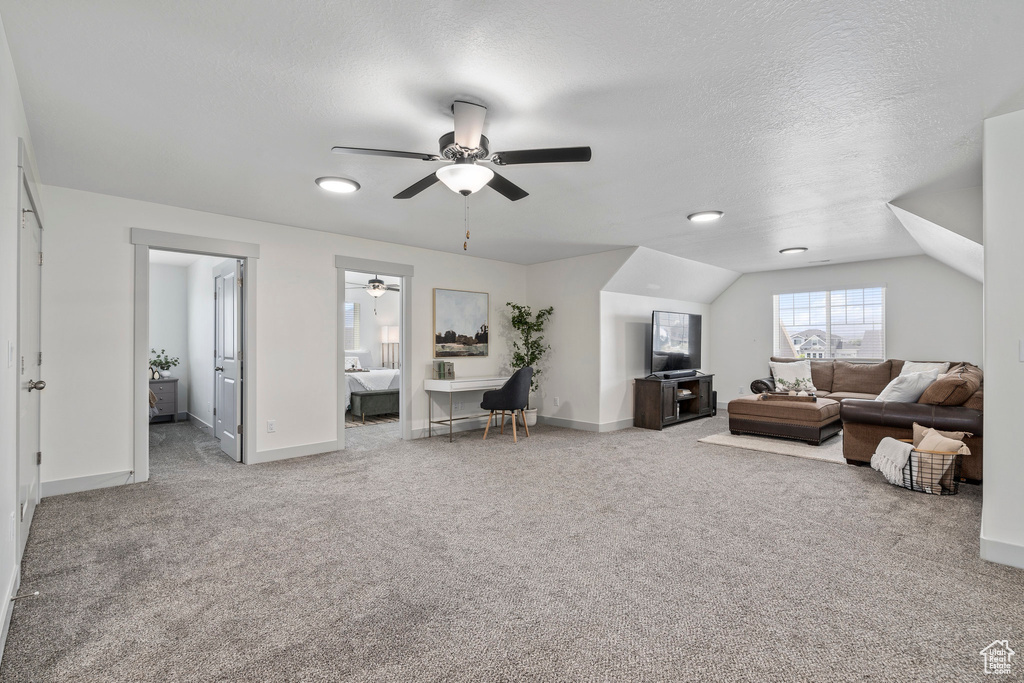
{"x": 465, "y": 223}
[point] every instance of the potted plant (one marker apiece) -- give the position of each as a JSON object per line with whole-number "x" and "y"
{"x": 530, "y": 347}
{"x": 162, "y": 362}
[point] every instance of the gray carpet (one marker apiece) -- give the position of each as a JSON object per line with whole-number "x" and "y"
{"x": 634, "y": 555}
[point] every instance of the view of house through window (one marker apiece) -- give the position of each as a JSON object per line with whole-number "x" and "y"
{"x": 351, "y": 326}
{"x": 841, "y": 323}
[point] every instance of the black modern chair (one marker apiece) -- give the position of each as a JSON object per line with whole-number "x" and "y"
{"x": 511, "y": 397}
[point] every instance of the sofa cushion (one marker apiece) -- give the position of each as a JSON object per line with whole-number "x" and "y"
{"x": 911, "y": 366}
{"x": 909, "y": 387}
{"x": 976, "y": 401}
{"x": 954, "y": 388}
{"x": 861, "y": 378}
{"x": 821, "y": 372}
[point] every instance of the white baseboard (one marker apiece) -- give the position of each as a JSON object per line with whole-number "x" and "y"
{"x": 12, "y": 589}
{"x": 208, "y": 429}
{"x": 572, "y": 424}
{"x": 1002, "y": 552}
{"x": 93, "y": 481}
{"x": 615, "y": 426}
{"x": 293, "y": 452}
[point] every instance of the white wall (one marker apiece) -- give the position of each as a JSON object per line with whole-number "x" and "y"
{"x": 625, "y": 344}
{"x": 12, "y": 126}
{"x": 199, "y": 287}
{"x": 932, "y": 312}
{"x": 1002, "y": 526}
{"x": 168, "y": 322}
{"x": 88, "y": 290}
{"x": 572, "y": 367}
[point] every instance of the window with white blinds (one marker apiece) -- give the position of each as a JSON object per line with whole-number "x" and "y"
{"x": 839, "y": 323}
{"x": 351, "y": 326}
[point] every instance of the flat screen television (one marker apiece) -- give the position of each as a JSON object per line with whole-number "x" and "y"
{"x": 675, "y": 341}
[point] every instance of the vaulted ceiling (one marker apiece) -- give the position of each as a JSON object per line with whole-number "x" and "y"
{"x": 799, "y": 119}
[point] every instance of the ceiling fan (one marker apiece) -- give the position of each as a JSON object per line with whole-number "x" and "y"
{"x": 375, "y": 287}
{"x": 466, "y": 146}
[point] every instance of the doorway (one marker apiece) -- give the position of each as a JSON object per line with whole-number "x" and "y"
{"x": 195, "y": 346}
{"x": 194, "y": 330}
{"x": 374, "y": 397}
{"x": 372, "y": 314}
{"x": 29, "y": 356}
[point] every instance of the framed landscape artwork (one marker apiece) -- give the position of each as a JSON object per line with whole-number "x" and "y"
{"x": 460, "y": 323}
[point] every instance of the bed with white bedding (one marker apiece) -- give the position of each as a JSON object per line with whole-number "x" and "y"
{"x": 376, "y": 379}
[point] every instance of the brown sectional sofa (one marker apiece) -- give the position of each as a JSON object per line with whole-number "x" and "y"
{"x": 952, "y": 405}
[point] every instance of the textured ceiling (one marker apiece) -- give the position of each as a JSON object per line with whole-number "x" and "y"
{"x": 799, "y": 119}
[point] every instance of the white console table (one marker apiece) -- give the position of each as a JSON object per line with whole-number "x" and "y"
{"x": 451, "y": 387}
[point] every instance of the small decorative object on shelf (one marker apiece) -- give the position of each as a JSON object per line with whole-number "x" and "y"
{"x": 443, "y": 370}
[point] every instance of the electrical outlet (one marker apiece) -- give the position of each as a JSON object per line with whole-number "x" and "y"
{"x": 271, "y": 426}
{"x": 741, "y": 391}
{"x": 457, "y": 405}
{"x": 556, "y": 401}
{"x": 209, "y": 407}
{"x": 14, "y": 528}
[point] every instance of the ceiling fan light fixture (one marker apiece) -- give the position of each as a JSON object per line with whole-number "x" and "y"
{"x": 464, "y": 177}
{"x": 376, "y": 288}
{"x": 793, "y": 250}
{"x": 338, "y": 185}
{"x": 705, "y": 216}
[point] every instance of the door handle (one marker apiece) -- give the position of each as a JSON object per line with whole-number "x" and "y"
{"x": 218, "y": 369}
{"x": 37, "y": 384}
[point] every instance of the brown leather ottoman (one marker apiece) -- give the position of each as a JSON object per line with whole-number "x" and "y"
{"x": 812, "y": 422}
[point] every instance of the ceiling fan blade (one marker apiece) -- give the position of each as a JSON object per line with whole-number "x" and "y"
{"x": 416, "y": 188}
{"x": 385, "y": 153}
{"x": 469, "y": 123}
{"x": 541, "y": 156}
{"x": 393, "y": 288}
{"x": 508, "y": 188}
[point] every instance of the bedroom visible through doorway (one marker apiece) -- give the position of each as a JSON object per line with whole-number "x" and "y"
{"x": 372, "y": 312}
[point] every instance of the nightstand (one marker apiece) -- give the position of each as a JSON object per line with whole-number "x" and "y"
{"x": 166, "y": 391}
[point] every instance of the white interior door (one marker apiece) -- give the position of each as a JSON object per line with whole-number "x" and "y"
{"x": 227, "y": 384}
{"x": 30, "y": 249}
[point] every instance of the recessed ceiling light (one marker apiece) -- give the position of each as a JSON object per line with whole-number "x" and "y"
{"x": 705, "y": 216}
{"x": 339, "y": 185}
{"x": 793, "y": 250}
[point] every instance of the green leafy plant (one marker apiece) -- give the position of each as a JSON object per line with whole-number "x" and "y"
{"x": 530, "y": 347}
{"x": 161, "y": 361}
{"x": 799, "y": 384}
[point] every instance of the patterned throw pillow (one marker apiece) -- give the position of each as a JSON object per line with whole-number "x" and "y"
{"x": 793, "y": 376}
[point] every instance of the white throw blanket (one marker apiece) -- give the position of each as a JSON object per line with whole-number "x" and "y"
{"x": 890, "y": 458}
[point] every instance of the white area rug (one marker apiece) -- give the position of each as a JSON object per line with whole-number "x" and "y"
{"x": 829, "y": 451}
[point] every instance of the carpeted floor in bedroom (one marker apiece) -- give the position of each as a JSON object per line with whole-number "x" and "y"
{"x": 632, "y": 555}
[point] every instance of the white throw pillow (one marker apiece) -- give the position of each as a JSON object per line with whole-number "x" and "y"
{"x": 908, "y": 388}
{"x": 352, "y": 363}
{"x": 910, "y": 367}
{"x": 799, "y": 371}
